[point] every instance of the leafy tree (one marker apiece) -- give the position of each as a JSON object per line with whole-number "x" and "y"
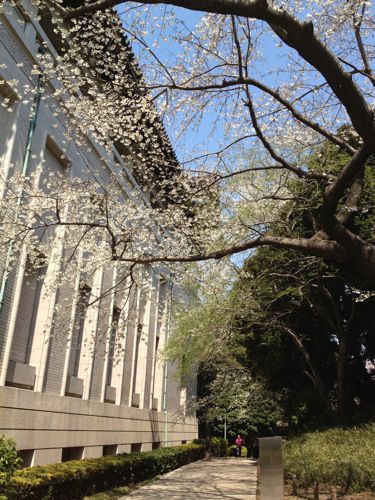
{"x": 300, "y": 327}
{"x": 230, "y": 396}
{"x": 313, "y": 319}
{"x": 311, "y": 335}
{"x": 207, "y": 339}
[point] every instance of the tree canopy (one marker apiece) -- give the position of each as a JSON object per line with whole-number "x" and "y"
{"x": 278, "y": 78}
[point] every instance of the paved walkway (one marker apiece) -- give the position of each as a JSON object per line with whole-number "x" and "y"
{"x": 230, "y": 478}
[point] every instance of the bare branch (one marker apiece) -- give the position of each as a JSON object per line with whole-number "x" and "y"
{"x": 298, "y": 35}
{"x": 318, "y": 248}
{"x": 357, "y": 23}
{"x": 277, "y": 96}
{"x": 238, "y": 47}
{"x": 288, "y": 166}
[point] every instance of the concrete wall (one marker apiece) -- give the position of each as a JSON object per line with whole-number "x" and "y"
{"x": 48, "y": 423}
{"x": 36, "y": 327}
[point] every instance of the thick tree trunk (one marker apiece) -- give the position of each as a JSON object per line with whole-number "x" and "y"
{"x": 360, "y": 254}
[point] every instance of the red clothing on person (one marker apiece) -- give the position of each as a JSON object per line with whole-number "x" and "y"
{"x": 239, "y": 441}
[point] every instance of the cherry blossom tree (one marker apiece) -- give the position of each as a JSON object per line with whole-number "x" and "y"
{"x": 276, "y": 78}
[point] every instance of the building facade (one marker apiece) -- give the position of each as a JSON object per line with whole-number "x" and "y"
{"x": 80, "y": 371}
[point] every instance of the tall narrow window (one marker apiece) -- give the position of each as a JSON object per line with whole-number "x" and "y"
{"x": 27, "y": 312}
{"x": 157, "y": 340}
{"x": 55, "y": 167}
{"x": 112, "y": 343}
{"x": 78, "y": 328}
{"x": 136, "y": 354}
{"x": 7, "y": 117}
{"x": 53, "y": 172}
{"x": 20, "y": 373}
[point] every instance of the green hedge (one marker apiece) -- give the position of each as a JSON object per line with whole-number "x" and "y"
{"x": 219, "y": 446}
{"x": 84, "y": 477}
{"x": 335, "y": 457}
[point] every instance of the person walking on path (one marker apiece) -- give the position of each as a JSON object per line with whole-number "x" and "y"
{"x": 239, "y": 444}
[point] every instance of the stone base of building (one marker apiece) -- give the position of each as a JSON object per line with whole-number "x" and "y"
{"x": 48, "y": 428}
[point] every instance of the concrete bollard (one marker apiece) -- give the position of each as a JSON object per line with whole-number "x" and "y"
{"x": 271, "y": 474}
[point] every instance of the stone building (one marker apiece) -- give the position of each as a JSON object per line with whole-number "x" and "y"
{"x": 58, "y": 399}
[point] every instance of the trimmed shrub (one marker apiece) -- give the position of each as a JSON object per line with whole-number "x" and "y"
{"x": 219, "y": 446}
{"x": 78, "y": 478}
{"x": 335, "y": 457}
{"x": 232, "y": 451}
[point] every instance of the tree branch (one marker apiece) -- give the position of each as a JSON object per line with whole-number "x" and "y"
{"x": 319, "y": 248}
{"x": 298, "y": 35}
{"x": 332, "y": 197}
{"x": 288, "y": 166}
{"x": 314, "y": 374}
{"x": 277, "y": 96}
{"x": 357, "y": 23}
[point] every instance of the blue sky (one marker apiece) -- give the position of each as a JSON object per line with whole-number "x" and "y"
{"x": 189, "y": 144}
{"x": 273, "y": 56}
{"x": 166, "y": 51}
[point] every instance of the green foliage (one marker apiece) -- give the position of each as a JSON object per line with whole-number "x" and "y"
{"x": 9, "y": 459}
{"x": 335, "y": 457}
{"x": 218, "y": 446}
{"x": 204, "y": 326}
{"x": 310, "y": 326}
{"x": 83, "y": 477}
{"x": 294, "y": 326}
{"x": 232, "y": 451}
{"x": 323, "y": 308}
{"x": 9, "y": 463}
{"x": 231, "y": 395}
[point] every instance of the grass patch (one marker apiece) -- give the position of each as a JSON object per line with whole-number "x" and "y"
{"x": 339, "y": 457}
{"x": 111, "y": 494}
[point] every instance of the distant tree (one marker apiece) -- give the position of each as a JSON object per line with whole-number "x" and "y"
{"x": 245, "y": 405}
{"x": 312, "y": 334}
